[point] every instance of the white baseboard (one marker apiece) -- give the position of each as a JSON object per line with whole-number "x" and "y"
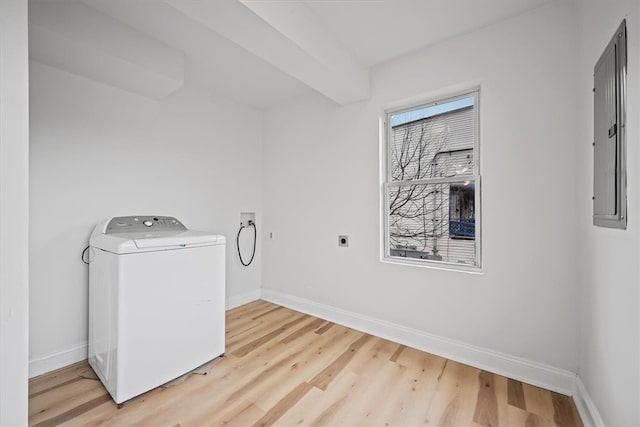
{"x": 58, "y": 360}
{"x": 242, "y": 299}
{"x": 77, "y": 353}
{"x": 587, "y": 409}
{"x": 538, "y": 374}
{"x": 528, "y": 371}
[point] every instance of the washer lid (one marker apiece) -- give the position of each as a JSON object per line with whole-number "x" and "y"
{"x": 127, "y": 243}
{"x": 170, "y": 239}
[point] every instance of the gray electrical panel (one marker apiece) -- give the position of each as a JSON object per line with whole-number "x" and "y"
{"x": 609, "y": 154}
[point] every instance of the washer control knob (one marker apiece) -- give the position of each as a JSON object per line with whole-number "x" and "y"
{"x": 148, "y": 223}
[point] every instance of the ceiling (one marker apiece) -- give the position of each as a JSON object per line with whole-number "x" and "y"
{"x": 377, "y": 31}
{"x": 256, "y": 52}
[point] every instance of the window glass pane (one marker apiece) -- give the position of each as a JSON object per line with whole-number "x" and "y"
{"x": 433, "y": 142}
{"x": 433, "y": 221}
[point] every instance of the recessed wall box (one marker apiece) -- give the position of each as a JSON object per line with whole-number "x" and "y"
{"x": 609, "y": 145}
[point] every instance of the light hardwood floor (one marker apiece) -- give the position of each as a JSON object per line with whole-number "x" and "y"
{"x": 286, "y": 368}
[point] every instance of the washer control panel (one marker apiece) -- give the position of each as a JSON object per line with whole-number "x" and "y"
{"x": 131, "y": 224}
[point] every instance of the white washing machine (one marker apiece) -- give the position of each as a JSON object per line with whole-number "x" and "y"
{"x": 156, "y": 302}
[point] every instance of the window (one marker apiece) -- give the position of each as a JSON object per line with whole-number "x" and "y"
{"x": 432, "y": 183}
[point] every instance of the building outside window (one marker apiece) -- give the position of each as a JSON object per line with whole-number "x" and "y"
{"x": 462, "y": 221}
{"x": 432, "y": 183}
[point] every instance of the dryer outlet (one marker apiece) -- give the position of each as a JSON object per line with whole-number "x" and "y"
{"x": 247, "y": 218}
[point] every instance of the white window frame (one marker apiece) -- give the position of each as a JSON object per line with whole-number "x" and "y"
{"x": 475, "y": 177}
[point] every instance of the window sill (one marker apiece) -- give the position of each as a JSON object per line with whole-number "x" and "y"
{"x": 435, "y": 265}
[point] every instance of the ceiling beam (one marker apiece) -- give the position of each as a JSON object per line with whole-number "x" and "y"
{"x": 286, "y": 35}
{"x": 77, "y": 38}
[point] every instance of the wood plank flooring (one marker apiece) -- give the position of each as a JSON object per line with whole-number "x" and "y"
{"x": 287, "y": 368}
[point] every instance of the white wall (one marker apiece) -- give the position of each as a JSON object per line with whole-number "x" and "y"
{"x": 14, "y": 212}
{"x": 97, "y": 152}
{"x": 322, "y": 179}
{"x": 609, "y": 279}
